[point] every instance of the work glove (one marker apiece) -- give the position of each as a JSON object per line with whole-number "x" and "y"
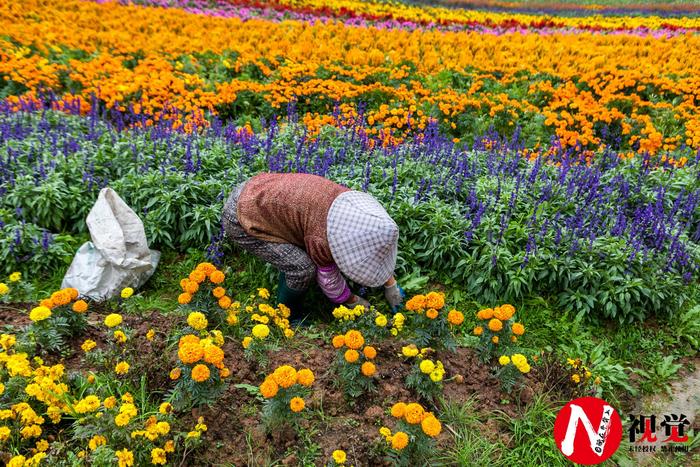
{"x": 394, "y": 295}
{"x": 357, "y": 300}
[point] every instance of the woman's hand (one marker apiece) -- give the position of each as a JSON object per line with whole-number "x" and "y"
{"x": 394, "y": 294}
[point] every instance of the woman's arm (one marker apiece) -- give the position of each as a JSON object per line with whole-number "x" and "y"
{"x": 333, "y": 284}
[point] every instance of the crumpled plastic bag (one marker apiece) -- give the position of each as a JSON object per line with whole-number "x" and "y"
{"x": 118, "y": 255}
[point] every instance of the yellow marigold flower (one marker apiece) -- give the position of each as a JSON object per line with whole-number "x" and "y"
{"x": 214, "y": 355}
{"x": 7, "y": 341}
{"x": 113, "y": 320}
{"x": 339, "y": 456}
{"x": 197, "y": 320}
{"x": 399, "y": 441}
{"x": 88, "y": 345}
{"x": 305, "y": 377}
{"x": 288, "y": 333}
{"x": 218, "y": 292}
{"x": 385, "y": 431}
{"x": 296, "y": 404}
{"x": 125, "y": 458}
{"x": 5, "y": 433}
{"x": 269, "y": 388}
{"x": 495, "y": 324}
{"x": 217, "y": 277}
{"x": 370, "y": 352}
{"x": 42, "y": 445}
{"x": 518, "y": 329}
{"x": 409, "y": 350}
{"x": 338, "y": 341}
{"x": 486, "y": 313}
{"x": 435, "y": 300}
{"x": 285, "y": 376}
{"x": 455, "y": 317}
{"x": 504, "y": 360}
{"x": 95, "y": 441}
{"x": 169, "y": 446}
{"x": 478, "y": 331}
{"x": 261, "y": 331}
{"x": 247, "y": 340}
{"x": 165, "y": 408}
{"x": 200, "y": 373}
{"x": 524, "y": 368}
{"x": 39, "y": 313}
{"x": 597, "y": 380}
{"x": 518, "y": 359}
{"x": 190, "y": 353}
{"x": 4, "y": 289}
{"x": 110, "y": 402}
{"x": 184, "y": 298}
{"x": 197, "y": 277}
{"x": 150, "y": 334}
{"x": 122, "y": 368}
{"x": 380, "y": 320}
{"x": 15, "y": 277}
{"x": 431, "y": 426}
{"x": 354, "y": 339}
{"x": 158, "y": 456}
{"x": 2, "y": 389}
{"x": 30, "y": 431}
{"x": 494, "y": 339}
{"x": 17, "y": 461}
{"x": 127, "y": 292}
{"x": 224, "y": 302}
{"x": 193, "y": 434}
{"x": 232, "y": 318}
{"x": 368, "y": 369}
{"x": 224, "y": 373}
{"x": 416, "y": 303}
{"x": 263, "y": 293}
{"x": 576, "y": 378}
{"x": 119, "y": 336}
{"x": 80, "y": 306}
{"x": 175, "y": 373}
{"x": 432, "y": 313}
{"x": 414, "y": 413}
{"x": 398, "y": 410}
{"x": 427, "y": 366}
{"x": 351, "y": 355}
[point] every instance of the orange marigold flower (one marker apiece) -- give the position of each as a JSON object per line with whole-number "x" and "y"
{"x": 285, "y": 376}
{"x": 200, "y": 373}
{"x": 72, "y": 292}
{"x": 494, "y": 339}
{"x": 188, "y": 339}
{"x": 269, "y": 388}
{"x": 351, "y": 355}
{"x": 60, "y": 298}
{"x": 217, "y": 277}
{"x": 486, "y": 313}
{"x": 370, "y": 352}
{"x": 183, "y": 284}
{"x": 175, "y": 373}
{"x": 354, "y": 339}
{"x": 47, "y": 302}
{"x": 192, "y": 287}
{"x": 213, "y": 355}
{"x": 206, "y": 268}
{"x": 368, "y": 369}
{"x": 297, "y": 404}
{"x": 399, "y": 440}
{"x": 190, "y": 353}
{"x": 495, "y": 324}
{"x": 80, "y": 306}
{"x": 478, "y": 331}
{"x": 197, "y": 277}
{"x": 431, "y": 426}
{"x": 417, "y": 302}
{"x": 398, "y": 410}
{"x": 435, "y": 300}
{"x": 432, "y": 313}
{"x": 224, "y": 373}
{"x": 518, "y": 329}
{"x": 507, "y": 311}
{"x": 414, "y": 413}
{"x": 219, "y": 292}
{"x": 224, "y": 302}
{"x": 455, "y": 317}
{"x": 184, "y": 298}
{"x": 338, "y": 341}
{"x": 305, "y": 377}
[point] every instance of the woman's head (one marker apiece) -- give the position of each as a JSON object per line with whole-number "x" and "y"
{"x": 363, "y": 238}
